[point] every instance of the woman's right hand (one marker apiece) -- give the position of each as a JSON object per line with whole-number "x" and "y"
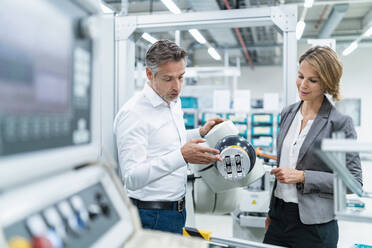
{"x": 267, "y": 223}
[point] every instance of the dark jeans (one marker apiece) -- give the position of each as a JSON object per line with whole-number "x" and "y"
{"x": 163, "y": 220}
{"x": 286, "y": 229}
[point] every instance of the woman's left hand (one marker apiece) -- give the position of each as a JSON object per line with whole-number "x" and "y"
{"x": 288, "y": 175}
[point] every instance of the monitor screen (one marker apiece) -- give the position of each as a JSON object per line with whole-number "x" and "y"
{"x": 45, "y": 76}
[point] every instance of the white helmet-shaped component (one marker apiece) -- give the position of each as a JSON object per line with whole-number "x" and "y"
{"x": 216, "y": 185}
{"x": 238, "y": 157}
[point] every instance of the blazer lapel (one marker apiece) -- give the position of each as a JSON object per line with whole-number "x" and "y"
{"x": 319, "y": 122}
{"x": 284, "y": 127}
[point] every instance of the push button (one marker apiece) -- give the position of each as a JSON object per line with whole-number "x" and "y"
{"x": 80, "y": 209}
{"x": 69, "y": 216}
{"x": 94, "y": 211}
{"x": 36, "y": 225}
{"x": 105, "y": 209}
{"x": 55, "y": 221}
{"x": 54, "y": 239}
{"x": 41, "y": 242}
{"x": 19, "y": 242}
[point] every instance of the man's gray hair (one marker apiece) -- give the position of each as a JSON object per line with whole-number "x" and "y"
{"x": 164, "y": 51}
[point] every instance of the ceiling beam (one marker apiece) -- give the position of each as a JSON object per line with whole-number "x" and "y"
{"x": 335, "y": 17}
{"x": 327, "y": 2}
{"x": 367, "y": 20}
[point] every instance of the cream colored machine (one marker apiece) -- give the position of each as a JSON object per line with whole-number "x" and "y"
{"x": 216, "y": 186}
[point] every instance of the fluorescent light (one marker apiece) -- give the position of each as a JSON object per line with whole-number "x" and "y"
{"x": 171, "y": 6}
{"x": 350, "y": 48}
{"x": 214, "y": 53}
{"x": 198, "y": 36}
{"x": 368, "y": 33}
{"x": 300, "y": 29}
{"x": 105, "y": 9}
{"x": 308, "y": 3}
{"x": 149, "y": 38}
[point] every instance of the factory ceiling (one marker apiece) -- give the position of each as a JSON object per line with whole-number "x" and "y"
{"x": 343, "y": 20}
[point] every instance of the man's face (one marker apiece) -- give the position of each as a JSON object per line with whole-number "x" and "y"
{"x": 167, "y": 83}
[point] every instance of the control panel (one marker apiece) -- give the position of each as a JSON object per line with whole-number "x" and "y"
{"x": 77, "y": 221}
{"x": 63, "y": 217}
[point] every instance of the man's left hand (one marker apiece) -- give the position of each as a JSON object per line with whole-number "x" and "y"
{"x": 209, "y": 125}
{"x": 288, "y": 175}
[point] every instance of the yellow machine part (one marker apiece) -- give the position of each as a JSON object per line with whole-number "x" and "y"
{"x": 196, "y": 232}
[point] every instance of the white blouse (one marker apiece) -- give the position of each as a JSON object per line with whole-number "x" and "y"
{"x": 289, "y": 155}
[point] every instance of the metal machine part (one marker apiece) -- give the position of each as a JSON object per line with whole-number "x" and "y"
{"x": 83, "y": 208}
{"x": 64, "y": 217}
{"x": 208, "y": 201}
{"x": 333, "y": 152}
{"x": 249, "y": 217}
{"x": 216, "y": 186}
{"x": 238, "y": 157}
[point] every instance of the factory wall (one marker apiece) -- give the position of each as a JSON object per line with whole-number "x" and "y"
{"x": 260, "y": 80}
{"x": 356, "y": 83}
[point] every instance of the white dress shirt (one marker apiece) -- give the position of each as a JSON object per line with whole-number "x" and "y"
{"x": 291, "y": 147}
{"x": 149, "y": 135}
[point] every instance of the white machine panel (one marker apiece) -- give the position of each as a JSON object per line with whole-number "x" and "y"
{"x": 83, "y": 208}
{"x": 79, "y": 208}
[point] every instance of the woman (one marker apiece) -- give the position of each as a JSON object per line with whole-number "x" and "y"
{"x": 301, "y": 209}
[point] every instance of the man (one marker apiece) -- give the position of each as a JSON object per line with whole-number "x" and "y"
{"x": 152, "y": 141}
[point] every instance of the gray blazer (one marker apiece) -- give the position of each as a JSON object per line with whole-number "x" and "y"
{"x": 315, "y": 196}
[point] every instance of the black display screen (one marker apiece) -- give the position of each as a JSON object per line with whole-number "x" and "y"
{"x": 45, "y": 76}
{"x": 35, "y": 60}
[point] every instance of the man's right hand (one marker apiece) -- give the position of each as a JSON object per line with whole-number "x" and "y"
{"x": 197, "y": 154}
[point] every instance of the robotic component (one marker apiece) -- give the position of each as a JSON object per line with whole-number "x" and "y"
{"x": 238, "y": 156}
{"x": 216, "y": 186}
{"x": 254, "y": 200}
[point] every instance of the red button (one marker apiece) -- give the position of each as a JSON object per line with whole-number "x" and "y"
{"x": 41, "y": 242}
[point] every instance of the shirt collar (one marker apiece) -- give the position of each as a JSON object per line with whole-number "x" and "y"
{"x": 154, "y": 98}
{"x": 301, "y": 116}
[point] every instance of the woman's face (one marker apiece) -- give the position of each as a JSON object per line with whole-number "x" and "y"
{"x": 308, "y": 83}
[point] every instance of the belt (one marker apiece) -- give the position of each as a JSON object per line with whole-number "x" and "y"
{"x": 162, "y": 205}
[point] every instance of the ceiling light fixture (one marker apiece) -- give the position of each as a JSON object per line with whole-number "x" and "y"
{"x": 368, "y": 33}
{"x": 300, "y": 27}
{"x": 308, "y": 3}
{"x": 194, "y": 32}
{"x": 171, "y": 6}
{"x": 198, "y": 36}
{"x": 105, "y": 9}
{"x": 149, "y": 38}
{"x": 350, "y": 48}
{"x": 214, "y": 53}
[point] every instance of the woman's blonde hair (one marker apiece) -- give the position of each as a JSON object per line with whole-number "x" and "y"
{"x": 326, "y": 63}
